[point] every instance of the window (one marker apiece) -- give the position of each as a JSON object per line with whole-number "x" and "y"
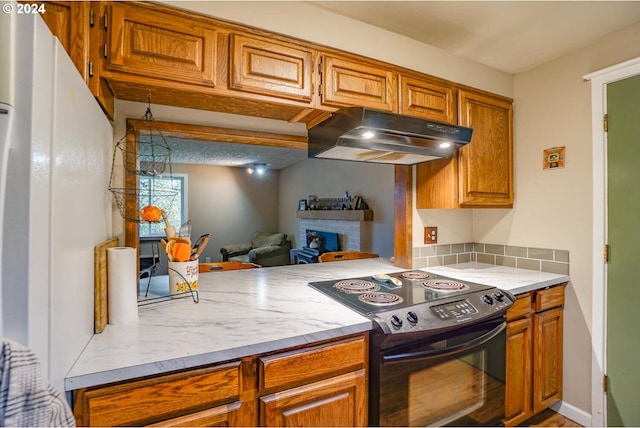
{"x": 175, "y": 207}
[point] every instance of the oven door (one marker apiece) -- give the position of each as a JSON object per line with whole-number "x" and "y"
{"x": 452, "y": 379}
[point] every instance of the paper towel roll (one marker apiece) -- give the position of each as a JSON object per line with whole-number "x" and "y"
{"x": 122, "y": 285}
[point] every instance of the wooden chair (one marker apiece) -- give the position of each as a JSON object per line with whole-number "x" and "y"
{"x": 336, "y": 256}
{"x": 215, "y": 267}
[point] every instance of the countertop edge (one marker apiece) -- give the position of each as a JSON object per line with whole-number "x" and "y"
{"x": 539, "y": 285}
{"x": 188, "y": 362}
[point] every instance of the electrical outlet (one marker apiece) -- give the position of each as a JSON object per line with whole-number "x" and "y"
{"x": 207, "y": 259}
{"x": 431, "y": 235}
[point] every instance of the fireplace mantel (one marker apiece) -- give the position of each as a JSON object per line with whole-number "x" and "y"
{"x": 348, "y": 215}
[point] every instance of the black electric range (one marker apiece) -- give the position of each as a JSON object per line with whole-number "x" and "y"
{"x": 412, "y": 301}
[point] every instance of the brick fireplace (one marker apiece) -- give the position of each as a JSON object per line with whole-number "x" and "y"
{"x": 352, "y": 226}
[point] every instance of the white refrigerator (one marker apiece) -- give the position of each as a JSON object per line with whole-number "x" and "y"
{"x": 55, "y": 154}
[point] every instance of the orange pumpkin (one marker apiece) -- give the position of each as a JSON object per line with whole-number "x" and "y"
{"x": 151, "y": 213}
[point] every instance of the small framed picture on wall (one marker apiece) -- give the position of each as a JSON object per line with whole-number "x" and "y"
{"x": 302, "y": 205}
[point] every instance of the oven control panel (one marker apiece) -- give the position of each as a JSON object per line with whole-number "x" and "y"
{"x": 454, "y": 311}
{"x": 457, "y": 309}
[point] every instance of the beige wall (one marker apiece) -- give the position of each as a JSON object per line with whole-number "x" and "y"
{"x": 553, "y": 208}
{"x": 330, "y": 179}
{"x": 229, "y": 204}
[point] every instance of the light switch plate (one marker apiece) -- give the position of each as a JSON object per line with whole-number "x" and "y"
{"x": 431, "y": 235}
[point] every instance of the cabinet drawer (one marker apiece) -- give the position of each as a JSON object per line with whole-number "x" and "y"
{"x": 299, "y": 366}
{"x": 153, "y": 400}
{"x": 350, "y": 83}
{"x": 263, "y": 67}
{"x": 155, "y": 44}
{"x": 549, "y": 298}
{"x": 429, "y": 100}
{"x": 521, "y": 307}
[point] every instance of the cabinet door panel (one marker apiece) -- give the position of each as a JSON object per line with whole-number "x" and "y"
{"x": 547, "y": 362}
{"x": 429, "y": 100}
{"x": 227, "y": 415}
{"x": 69, "y": 22}
{"x": 437, "y": 183}
{"x": 338, "y": 401}
{"x": 486, "y": 164}
{"x": 263, "y": 67}
{"x": 518, "y": 376}
{"x": 348, "y": 83}
{"x": 154, "y": 44}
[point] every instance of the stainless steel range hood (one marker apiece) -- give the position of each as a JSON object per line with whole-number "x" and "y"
{"x": 365, "y": 135}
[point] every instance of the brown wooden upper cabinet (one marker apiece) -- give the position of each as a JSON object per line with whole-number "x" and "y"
{"x": 156, "y": 44}
{"x": 479, "y": 174}
{"x": 275, "y": 69}
{"x": 486, "y": 164}
{"x": 345, "y": 82}
{"x": 427, "y": 99}
{"x": 69, "y": 22}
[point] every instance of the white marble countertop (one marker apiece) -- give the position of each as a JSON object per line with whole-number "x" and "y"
{"x": 254, "y": 311}
{"x": 514, "y": 280}
{"x": 241, "y": 313}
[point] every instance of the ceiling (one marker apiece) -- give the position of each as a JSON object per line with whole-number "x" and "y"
{"x": 510, "y": 36}
{"x": 184, "y": 151}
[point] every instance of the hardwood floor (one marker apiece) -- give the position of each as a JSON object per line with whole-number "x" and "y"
{"x": 549, "y": 418}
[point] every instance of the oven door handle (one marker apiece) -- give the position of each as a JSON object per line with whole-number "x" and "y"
{"x": 396, "y": 358}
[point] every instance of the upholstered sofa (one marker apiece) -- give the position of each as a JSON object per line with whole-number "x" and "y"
{"x": 265, "y": 249}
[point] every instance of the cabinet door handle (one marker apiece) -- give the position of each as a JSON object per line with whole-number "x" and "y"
{"x": 106, "y": 50}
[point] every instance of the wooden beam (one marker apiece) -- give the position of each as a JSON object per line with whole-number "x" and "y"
{"x": 131, "y": 235}
{"x": 221, "y": 135}
{"x": 403, "y": 219}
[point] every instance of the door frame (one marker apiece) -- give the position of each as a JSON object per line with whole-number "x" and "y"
{"x": 599, "y": 81}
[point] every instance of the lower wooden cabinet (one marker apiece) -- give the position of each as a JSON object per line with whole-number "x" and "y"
{"x": 338, "y": 401}
{"x": 518, "y": 402}
{"x": 319, "y": 385}
{"x": 547, "y": 359}
{"x": 534, "y": 354}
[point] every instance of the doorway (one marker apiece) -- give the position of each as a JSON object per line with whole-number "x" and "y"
{"x": 623, "y": 269}
{"x": 608, "y": 223}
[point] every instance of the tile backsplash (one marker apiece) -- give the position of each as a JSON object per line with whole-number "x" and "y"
{"x": 540, "y": 259}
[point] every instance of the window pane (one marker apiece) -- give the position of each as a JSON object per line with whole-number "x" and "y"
{"x": 154, "y": 192}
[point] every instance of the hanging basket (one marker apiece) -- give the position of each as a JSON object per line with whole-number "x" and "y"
{"x": 127, "y": 201}
{"x": 149, "y": 156}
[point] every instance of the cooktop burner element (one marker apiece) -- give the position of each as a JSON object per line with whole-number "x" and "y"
{"x": 415, "y": 275}
{"x": 380, "y": 298}
{"x": 444, "y": 285}
{"x": 356, "y": 286}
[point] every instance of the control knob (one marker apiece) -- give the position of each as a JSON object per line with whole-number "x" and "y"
{"x": 396, "y": 321}
{"x": 412, "y": 317}
{"x": 498, "y": 296}
{"x": 487, "y": 299}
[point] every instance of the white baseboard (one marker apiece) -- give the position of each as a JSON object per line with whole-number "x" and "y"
{"x": 573, "y": 413}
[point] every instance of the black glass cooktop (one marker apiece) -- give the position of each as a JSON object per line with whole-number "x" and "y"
{"x": 378, "y": 293}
